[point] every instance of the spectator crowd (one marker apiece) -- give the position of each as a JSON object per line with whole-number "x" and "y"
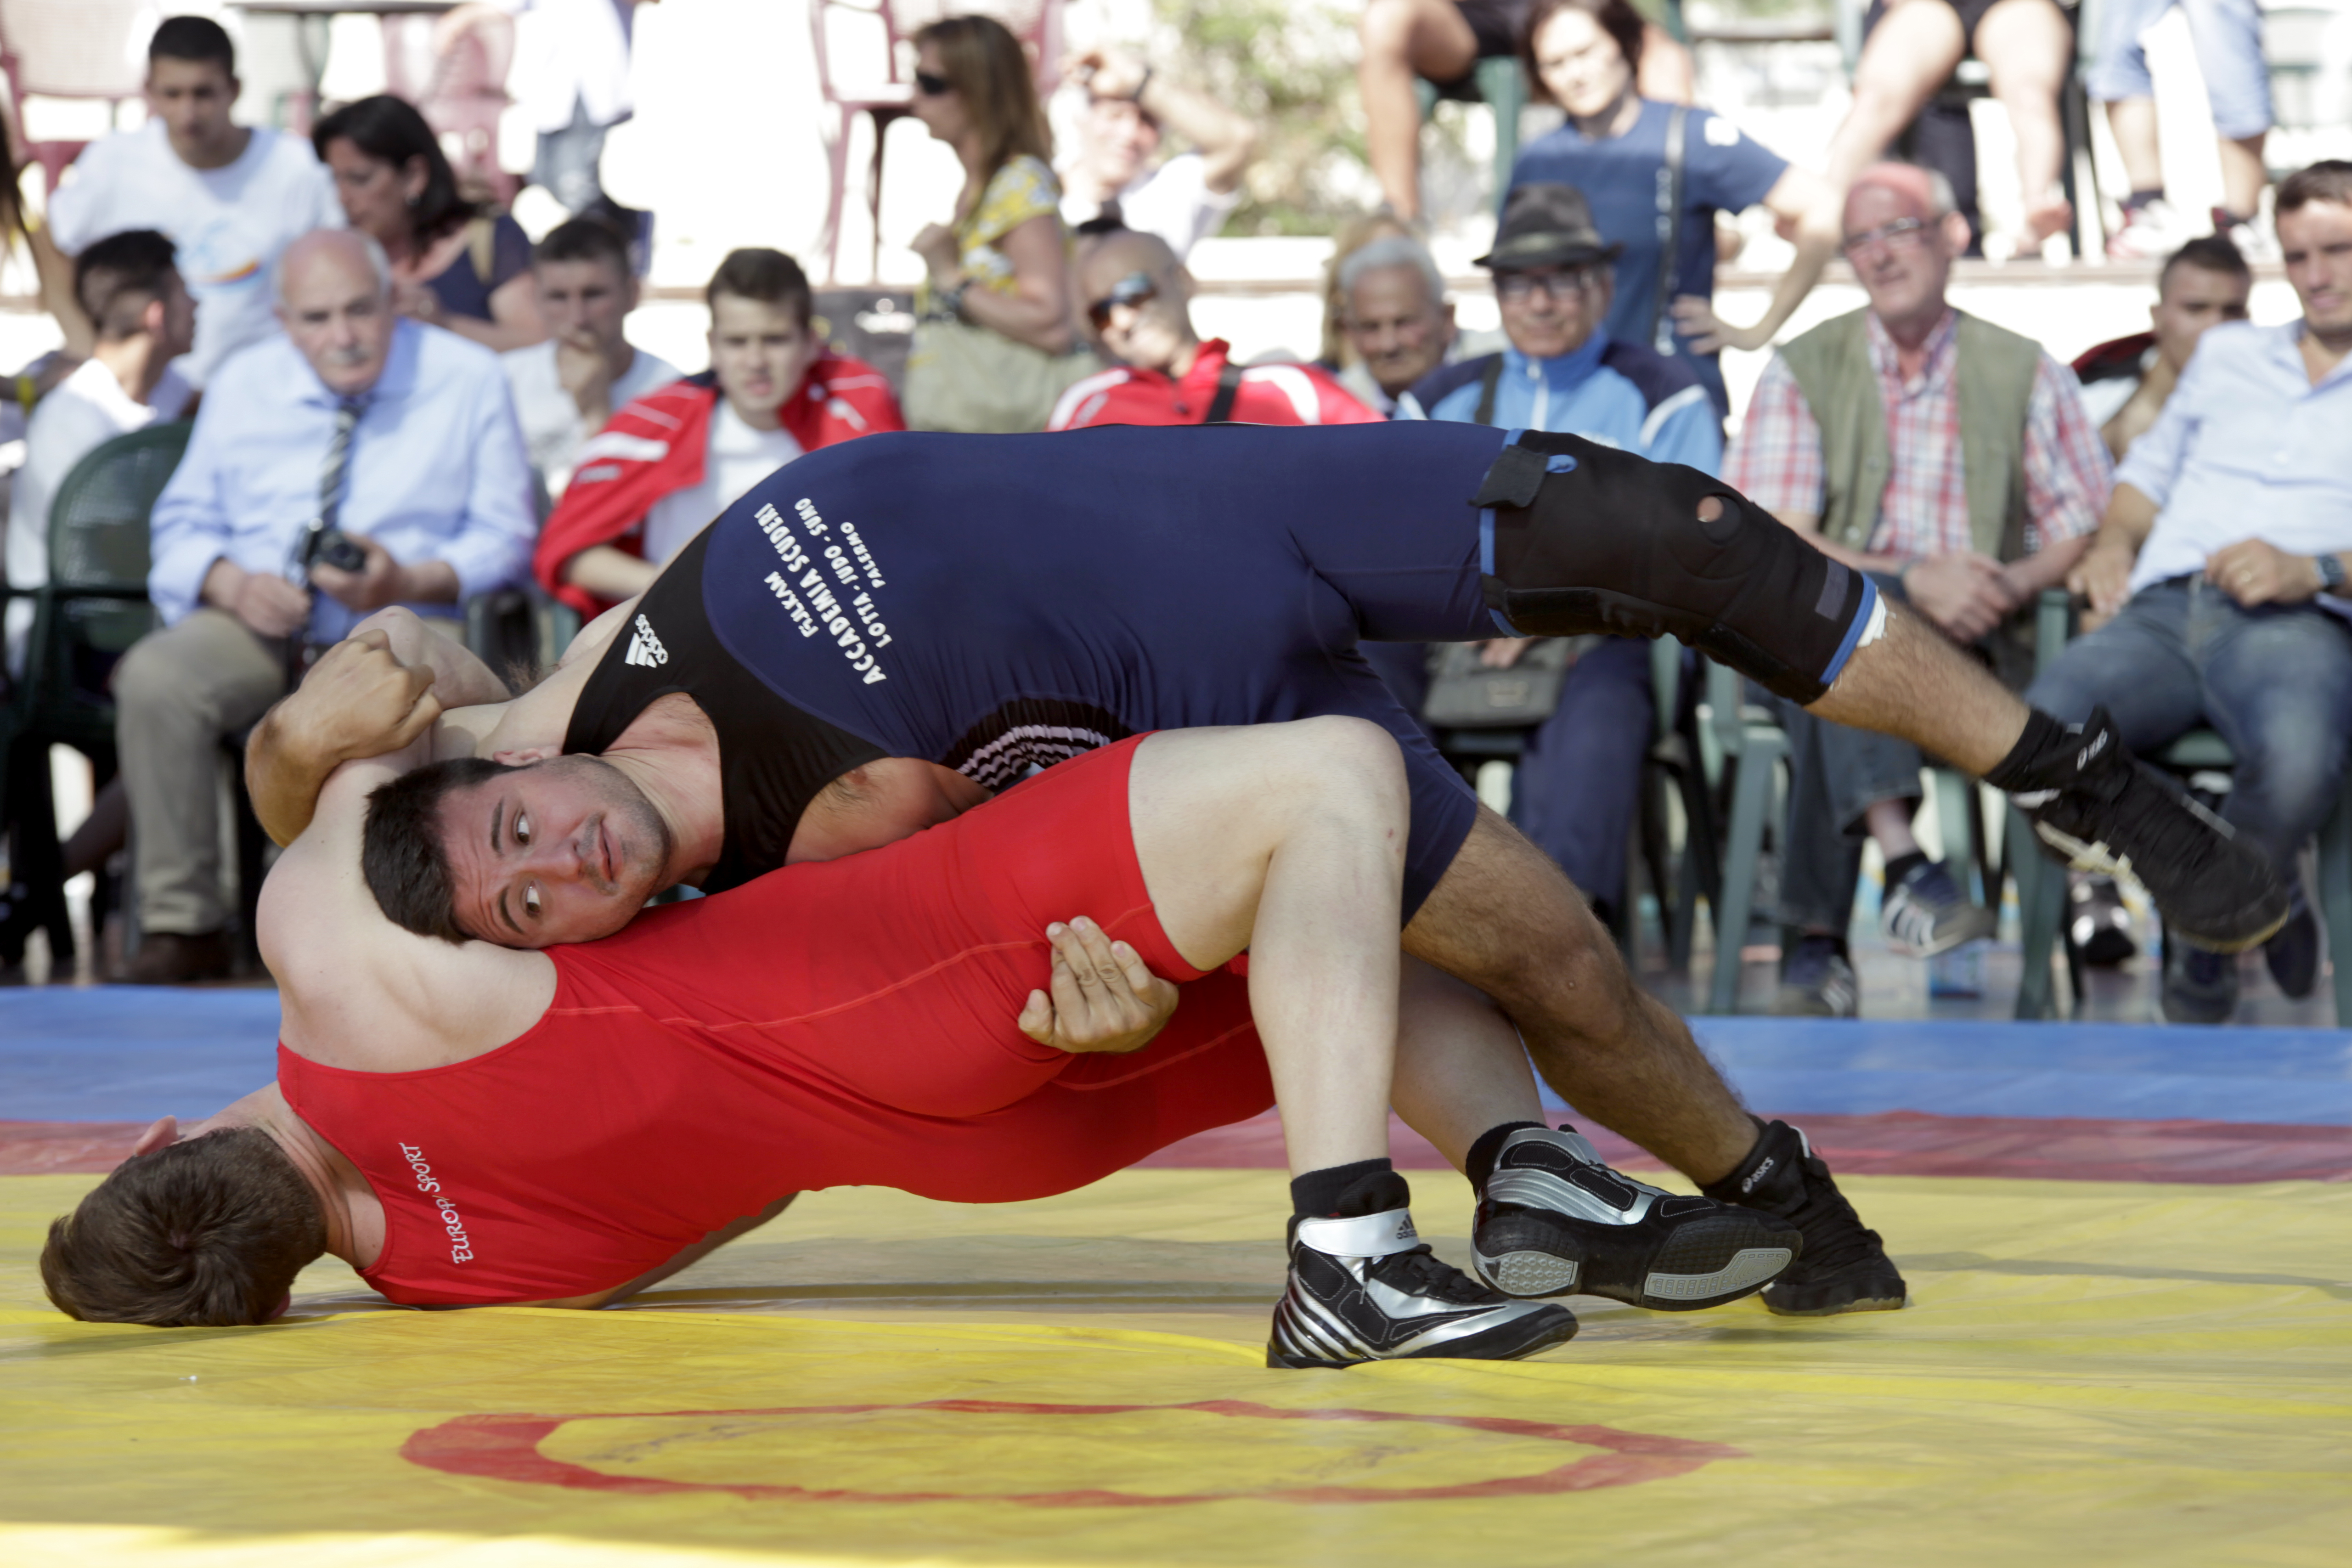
{"x": 389, "y": 394}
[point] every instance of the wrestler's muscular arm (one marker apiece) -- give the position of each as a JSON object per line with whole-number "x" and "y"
{"x": 398, "y": 689}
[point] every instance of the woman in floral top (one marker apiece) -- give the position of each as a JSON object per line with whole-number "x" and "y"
{"x": 1003, "y": 264}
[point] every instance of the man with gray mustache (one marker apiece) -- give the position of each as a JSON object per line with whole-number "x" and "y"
{"x": 359, "y": 460}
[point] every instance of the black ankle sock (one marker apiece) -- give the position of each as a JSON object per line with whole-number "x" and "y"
{"x": 1489, "y": 1149}
{"x": 2139, "y": 199}
{"x": 1348, "y": 1191}
{"x": 1902, "y": 866}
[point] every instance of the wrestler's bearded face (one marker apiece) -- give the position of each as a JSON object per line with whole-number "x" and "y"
{"x": 563, "y": 850}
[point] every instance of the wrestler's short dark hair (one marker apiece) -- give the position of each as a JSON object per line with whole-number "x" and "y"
{"x": 401, "y": 853}
{"x": 193, "y": 39}
{"x": 768, "y": 276}
{"x": 200, "y": 1234}
{"x": 2207, "y": 253}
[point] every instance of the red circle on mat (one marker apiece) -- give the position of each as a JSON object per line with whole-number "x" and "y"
{"x": 506, "y": 1448}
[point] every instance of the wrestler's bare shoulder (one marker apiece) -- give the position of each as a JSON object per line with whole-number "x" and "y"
{"x": 355, "y": 990}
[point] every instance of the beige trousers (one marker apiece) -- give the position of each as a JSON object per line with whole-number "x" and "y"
{"x": 178, "y": 693}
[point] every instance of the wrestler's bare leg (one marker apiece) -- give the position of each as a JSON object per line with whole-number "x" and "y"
{"x": 1504, "y": 918}
{"x": 1287, "y": 841}
{"x": 1913, "y": 682}
{"x": 1459, "y": 1067}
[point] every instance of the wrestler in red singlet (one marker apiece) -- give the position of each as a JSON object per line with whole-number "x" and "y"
{"x": 845, "y": 1023}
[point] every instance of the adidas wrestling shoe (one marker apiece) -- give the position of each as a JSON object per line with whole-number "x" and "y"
{"x": 1844, "y": 1267}
{"x": 1553, "y": 1219}
{"x": 2099, "y": 809}
{"x": 1370, "y": 1290}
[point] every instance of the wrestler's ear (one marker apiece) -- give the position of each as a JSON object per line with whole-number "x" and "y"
{"x": 164, "y": 1131}
{"x": 524, "y": 756}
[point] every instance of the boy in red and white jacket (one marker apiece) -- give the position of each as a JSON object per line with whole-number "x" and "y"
{"x": 675, "y": 458}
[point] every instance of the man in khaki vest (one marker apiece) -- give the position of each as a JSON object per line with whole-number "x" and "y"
{"x": 1954, "y": 462}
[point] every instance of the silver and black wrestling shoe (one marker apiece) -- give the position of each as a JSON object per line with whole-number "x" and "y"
{"x": 1370, "y": 1290}
{"x": 1553, "y": 1220}
{"x": 1844, "y": 1267}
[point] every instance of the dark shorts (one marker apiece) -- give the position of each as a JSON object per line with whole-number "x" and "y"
{"x": 1496, "y": 23}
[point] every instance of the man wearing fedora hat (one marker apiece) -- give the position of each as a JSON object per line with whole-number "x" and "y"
{"x": 1579, "y": 779}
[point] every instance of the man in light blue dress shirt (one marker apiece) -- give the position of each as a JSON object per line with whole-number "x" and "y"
{"x": 401, "y": 436}
{"x": 1577, "y": 786}
{"x": 2220, "y": 574}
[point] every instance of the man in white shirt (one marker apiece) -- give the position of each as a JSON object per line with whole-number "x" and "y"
{"x": 567, "y": 387}
{"x": 2220, "y": 576}
{"x": 145, "y": 319}
{"x": 1183, "y": 200}
{"x": 231, "y": 198}
{"x": 356, "y": 423}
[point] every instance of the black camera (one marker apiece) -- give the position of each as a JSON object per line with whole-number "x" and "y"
{"x": 331, "y": 546}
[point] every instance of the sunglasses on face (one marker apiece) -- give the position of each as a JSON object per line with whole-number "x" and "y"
{"x": 1902, "y": 234}
{"x": 1516, "y": 286}
{"x": 1135, "y": 288}
{"x": 932, "y": 86}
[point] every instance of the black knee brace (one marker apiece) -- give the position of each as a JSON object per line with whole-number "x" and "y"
{"x": 1611, "y": 543}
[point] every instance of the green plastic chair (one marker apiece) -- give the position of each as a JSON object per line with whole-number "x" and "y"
{"x": 92, "y": 608}
{"x": 2041, "y": 883}
{"x": 1752, "y": 743}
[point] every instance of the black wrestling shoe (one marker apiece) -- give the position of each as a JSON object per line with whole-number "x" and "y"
{"x": 1370, "y": 1290}
{"x": 1554, "y": 1220}
{"x": 1844, "y": 1267}
{"x": 2098, "y": 809}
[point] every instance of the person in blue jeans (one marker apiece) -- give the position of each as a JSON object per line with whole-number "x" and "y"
{"x": 1579, "y": 784}
{"x": 2219, "y": 575}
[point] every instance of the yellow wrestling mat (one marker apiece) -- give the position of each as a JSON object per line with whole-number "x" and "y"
{"x": 2090, "y": 1374}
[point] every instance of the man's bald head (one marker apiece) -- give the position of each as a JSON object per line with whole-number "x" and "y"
{"x": 1136, "y": 295}
{"x": 334, "y": 297}
{"x": 1923, "y": 194}
{"x": 345, "y": 254}
{"x": 1901, "y": 237}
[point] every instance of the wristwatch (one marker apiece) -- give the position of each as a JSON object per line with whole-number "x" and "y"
{"x": 947, "y": 303}
{"x": 2331, "y": 572}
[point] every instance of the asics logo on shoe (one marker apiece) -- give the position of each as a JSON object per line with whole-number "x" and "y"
{"x": 1759, "y": 1175}
{"x": 645, "y": 648}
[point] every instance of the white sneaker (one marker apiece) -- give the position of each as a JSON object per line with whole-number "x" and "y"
{"x": 2255, "y": 242}
{"x": 2149, "y": 233}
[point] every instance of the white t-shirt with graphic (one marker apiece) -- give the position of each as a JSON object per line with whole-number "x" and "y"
{"x": 229, "y": 223}
{"x": 737, "y": 458}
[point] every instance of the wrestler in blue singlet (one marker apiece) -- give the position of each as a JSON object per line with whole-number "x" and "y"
{"x": 999, "y": 603}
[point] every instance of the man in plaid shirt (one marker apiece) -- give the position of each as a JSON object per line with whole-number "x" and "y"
{"x": 1859, "y": 435}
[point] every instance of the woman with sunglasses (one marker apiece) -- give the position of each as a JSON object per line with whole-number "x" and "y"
{"x": 998, "y": 342}
{"x": 1656, "y": 174}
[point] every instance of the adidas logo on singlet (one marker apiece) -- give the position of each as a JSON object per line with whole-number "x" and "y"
{"x": 645, "y": 648}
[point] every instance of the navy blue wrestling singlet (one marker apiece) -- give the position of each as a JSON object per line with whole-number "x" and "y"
{"x": 1000, "y": 602}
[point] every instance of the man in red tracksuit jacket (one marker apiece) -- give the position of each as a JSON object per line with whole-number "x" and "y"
{"x": 668, "y": 463}
{"x": 1137, "y": 295}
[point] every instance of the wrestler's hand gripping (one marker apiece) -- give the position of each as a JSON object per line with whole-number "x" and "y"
{"x": 1103, "y": 998}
